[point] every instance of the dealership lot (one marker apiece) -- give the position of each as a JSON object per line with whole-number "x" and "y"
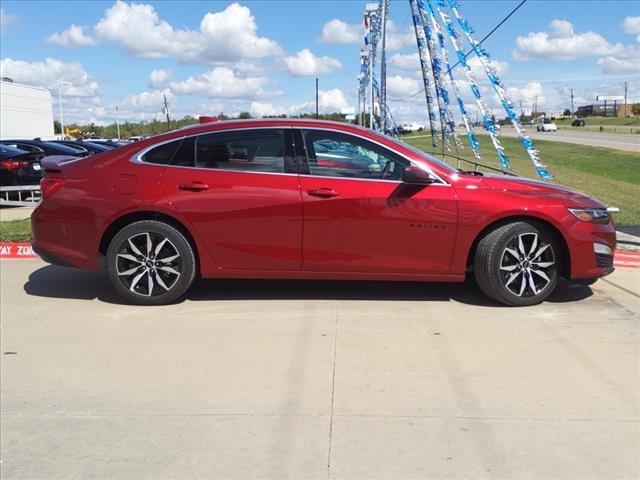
{"x": 288, "y": 379}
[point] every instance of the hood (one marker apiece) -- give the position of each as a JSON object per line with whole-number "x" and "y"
{"x": 528, "y": 187}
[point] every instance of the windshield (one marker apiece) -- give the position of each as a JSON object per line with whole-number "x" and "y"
{"x": 420, "y": 153}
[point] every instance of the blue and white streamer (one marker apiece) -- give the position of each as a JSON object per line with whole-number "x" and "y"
{"x": 492, "y": 74}
{"x": 425, "y": 61}
{"x": 473, "y": 141}
{"x": 473, "y": 85}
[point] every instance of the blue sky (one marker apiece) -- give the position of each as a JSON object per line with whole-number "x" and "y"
{"x": 263, "y": 56}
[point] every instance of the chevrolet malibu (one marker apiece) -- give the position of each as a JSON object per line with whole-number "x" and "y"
{"x": 308, "y": 199}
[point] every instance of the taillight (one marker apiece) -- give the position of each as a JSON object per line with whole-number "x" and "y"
{"x": 14, "y": 164}
{"x": 49, "y": 186}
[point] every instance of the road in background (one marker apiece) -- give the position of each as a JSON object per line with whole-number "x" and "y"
{"x": 627, "y": 142}
{"x": 308, "y": 379}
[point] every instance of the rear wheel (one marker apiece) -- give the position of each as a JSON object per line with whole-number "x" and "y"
{"x": 517, "y": 264}
{"x": 150, "y": 263}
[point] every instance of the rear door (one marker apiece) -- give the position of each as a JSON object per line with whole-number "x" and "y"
{"x": 360, "y": 217}
{"x": 239, "y": 189}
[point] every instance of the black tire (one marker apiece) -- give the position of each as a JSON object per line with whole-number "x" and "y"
{"x": 522, "y": 280}
{"x": 168, "y": 267}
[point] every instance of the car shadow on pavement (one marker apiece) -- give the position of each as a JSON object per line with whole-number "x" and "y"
{"x": 62, "y": 282}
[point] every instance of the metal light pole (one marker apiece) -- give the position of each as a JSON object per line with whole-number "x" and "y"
{"x": 383, "y": 70}
{"x": 59, "y": 84}
{"x": 117, "y": 123}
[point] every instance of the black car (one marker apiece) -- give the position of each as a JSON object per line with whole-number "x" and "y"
{"x": 45, "y": 148}
{"x": 91, "y": 147}
{"x": 108, "y": 142}
{"x": 18, "y": 167}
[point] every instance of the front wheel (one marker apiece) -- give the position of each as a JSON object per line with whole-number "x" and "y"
{"x": 517, "y": 264}
{"x": 150, "y": 263}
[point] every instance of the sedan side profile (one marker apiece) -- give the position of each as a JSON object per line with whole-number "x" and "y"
{"x": 308, "y": 199}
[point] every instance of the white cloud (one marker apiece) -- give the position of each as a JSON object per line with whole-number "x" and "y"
{"x": 73, "y": 36}
{"x": 306, "y": 63}
{"x": 47, "y": 73}
{"x": 628, "y": 62}
{"x": 159, "y": 77}
{"x": 6, "y": 19}
{"x": 478, "y": 70}
{"x": 398, "y": 39}
{"x": 398, "y": 86}
{"x": 329, "y": 101}
{"x": 406, "y": 62}
{"x": 526, "y": 94}
{"x": 562, "y": 43}
{"x": 225, "y": 36}
{"x": 337, "y": 31}
{"x": 631, "y": 26}
{"x": 260, "y": 109}
{"x": 150, "y": 102}
{"x": 223, "y": 82}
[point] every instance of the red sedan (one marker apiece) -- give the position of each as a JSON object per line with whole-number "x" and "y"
{"x": 314, "y": 200}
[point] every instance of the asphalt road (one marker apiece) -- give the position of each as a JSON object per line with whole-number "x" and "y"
{"x": 630, "y": 143}
{"x": 282, "y": 379}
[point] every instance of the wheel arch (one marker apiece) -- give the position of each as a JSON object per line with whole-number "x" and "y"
{"x": 558, "y": 236}
{"x": 124, "y": 220}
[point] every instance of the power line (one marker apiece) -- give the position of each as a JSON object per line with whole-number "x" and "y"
{"x": 469, "y": 52}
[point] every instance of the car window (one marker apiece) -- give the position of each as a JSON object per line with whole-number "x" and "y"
{"x": 162, "y": 154}
{"x": 259, "y": 150}
{"x": 335, "y": 154}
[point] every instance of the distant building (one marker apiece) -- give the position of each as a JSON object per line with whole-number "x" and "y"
{"x": 25, "y": 111}
{"x": 613, "y": 110}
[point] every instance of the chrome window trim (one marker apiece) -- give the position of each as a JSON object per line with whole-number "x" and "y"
{"x": 137, "y": 158}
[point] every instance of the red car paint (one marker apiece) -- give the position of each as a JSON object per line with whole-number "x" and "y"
{"x": 255, "y": 225}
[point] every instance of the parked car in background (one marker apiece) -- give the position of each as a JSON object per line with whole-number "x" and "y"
{"x": 268, "y": 199}
{"x": 90, "y": 147}
{"x": 547, "y": 125}
{"x": 108, "y": 142}
{"x": 18, "y": 167}
{"x": 45, "y": 148}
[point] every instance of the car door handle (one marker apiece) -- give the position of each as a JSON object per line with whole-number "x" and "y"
{"x": 193, "y": 186}
{"x": 323, "y": 192}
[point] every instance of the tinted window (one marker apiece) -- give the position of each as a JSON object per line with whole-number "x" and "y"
{"x": 162, "y": 154}
{"x": 185, "y": 155}
{"x": 243, "y": 150}
{"x": 334, "y": 154}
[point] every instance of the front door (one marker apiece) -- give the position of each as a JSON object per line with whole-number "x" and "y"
{"x": 239, "y": 190}
{"x": 360, "y": 217}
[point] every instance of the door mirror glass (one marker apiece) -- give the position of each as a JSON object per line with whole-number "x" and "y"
{"x": 417, "y": 176}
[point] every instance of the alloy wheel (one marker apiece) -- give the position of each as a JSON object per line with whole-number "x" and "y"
{"x": 527, "y": 265}
{"x": 148, "y": 264}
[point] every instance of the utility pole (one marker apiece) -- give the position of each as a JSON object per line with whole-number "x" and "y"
{"x": 316, "y": 98}
{"x": 572, "y": 110}
{"x": 521, "y": 112}
{"x": 626, "y": 91}
{"x": 166, "y": 112}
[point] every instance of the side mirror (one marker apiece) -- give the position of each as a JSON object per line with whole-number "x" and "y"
{"x": 417, "y": 176}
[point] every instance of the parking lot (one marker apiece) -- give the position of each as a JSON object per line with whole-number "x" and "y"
{"x": 288, "y": 379}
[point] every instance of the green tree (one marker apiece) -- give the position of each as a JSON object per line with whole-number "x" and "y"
{"x": 567, "y": 112}
{"x": 635, "y": 108}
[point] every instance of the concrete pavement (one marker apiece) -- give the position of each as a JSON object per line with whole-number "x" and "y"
{"x": 286, "y": 379}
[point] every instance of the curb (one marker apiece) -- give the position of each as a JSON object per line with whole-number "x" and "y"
{"x": 622, "y": 259}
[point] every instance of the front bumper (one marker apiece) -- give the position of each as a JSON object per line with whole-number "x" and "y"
{"x": 588, "y": 257}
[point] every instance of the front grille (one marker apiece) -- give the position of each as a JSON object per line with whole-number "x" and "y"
{"x": 604, "y": 261}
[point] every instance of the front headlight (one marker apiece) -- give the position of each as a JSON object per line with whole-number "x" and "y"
{"x": 591, "y": 215}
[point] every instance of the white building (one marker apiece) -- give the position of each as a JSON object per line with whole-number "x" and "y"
{"x": 25, "y": 112}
